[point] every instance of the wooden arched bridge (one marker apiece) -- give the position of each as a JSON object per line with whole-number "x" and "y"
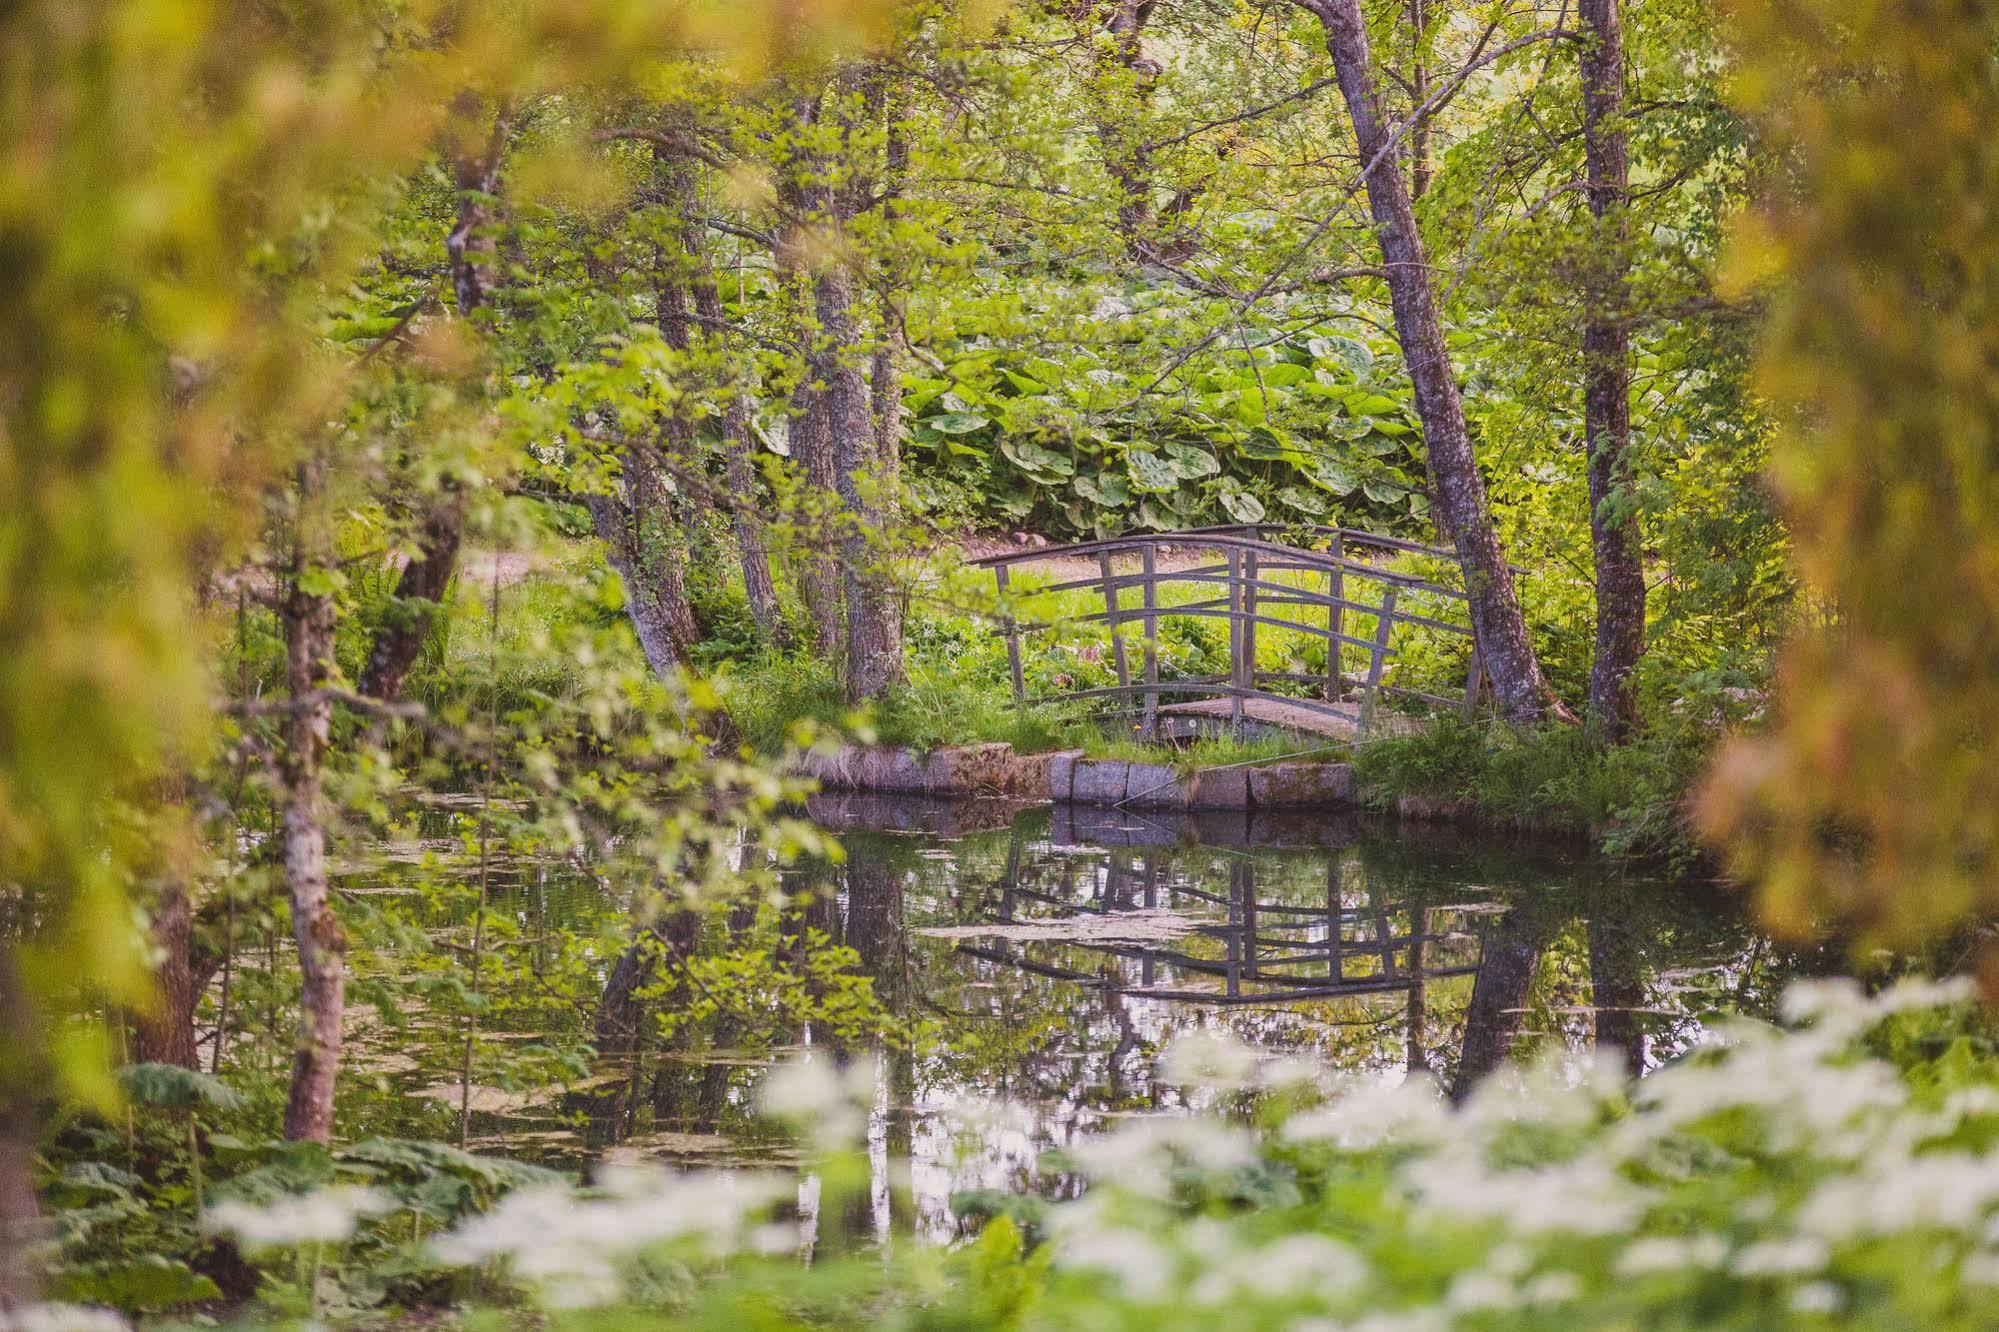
{"x": 1330, "y": 583}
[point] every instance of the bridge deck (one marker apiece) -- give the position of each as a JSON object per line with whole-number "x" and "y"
{"x": 1265, "y": 710}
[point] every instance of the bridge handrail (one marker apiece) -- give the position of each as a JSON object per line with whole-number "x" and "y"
{"x": 1318, "y": 559}
{"x": 1249, "y": 596}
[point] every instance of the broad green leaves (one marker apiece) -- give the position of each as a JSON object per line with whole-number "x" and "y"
{"x": 1316, "y": 425}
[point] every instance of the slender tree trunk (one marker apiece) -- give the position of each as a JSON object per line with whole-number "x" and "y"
{"x": 163, "y": 1032}
{"x": 420, "y": 588}
{"x": 20, "y": 1078}
{"x": 470, "y": 248}
{"x": 322, "y": 944}
{"x": 1501, "y": 629}
{"x": 811, "y": 431}
{"x": 873, "y": 656}
{"x": 656, "y": 591}
{"x": 1614, "y": 536}
{"x": 1419, "y": 92}
{"x": 739, "y": 473}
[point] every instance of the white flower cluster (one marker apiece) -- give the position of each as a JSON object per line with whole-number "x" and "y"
{"x": 326, "y": 1216}
{"x": 568, "y": 1247}
{"x": 1553, "y": 1185}
{"x": 1579, "y": 1169}
{"x": 60, "y": 1318}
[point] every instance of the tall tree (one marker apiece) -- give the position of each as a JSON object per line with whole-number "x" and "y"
{"x": 1501, "y": 629}
{"x": 440, "y": 528}
{"x": 307, "y": 615}
{"x": 1614, "y": 536}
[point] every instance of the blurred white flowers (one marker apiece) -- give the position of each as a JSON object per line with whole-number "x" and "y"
{"x": 825, "y": 1099}
{"x": 326, "y": 1216}
{"x": 567, "y": 1247}
{"x": 60, "y": 1318}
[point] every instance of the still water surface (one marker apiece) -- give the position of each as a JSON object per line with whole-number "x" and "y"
{"x": 1051, "y": 956}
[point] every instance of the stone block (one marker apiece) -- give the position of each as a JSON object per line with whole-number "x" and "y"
{"x": 1154, "y": 786}
{"x": 1302, "y": 786}
{"x": 1099, "y": 781}
{"x": 1219, "y": 788}
{"x": 964, "y": 770}
{"x": 1061, "y": 775}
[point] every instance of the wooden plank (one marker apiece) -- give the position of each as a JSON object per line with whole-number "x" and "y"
{"x": 1149, "y": 570}
{"x": 1114, "y": 619}
{"x": 1384, "y": 624}
{"x": 1235, "y": 636}
{"x": 1336, "y": 618}
{"x": 1013, "y": 663}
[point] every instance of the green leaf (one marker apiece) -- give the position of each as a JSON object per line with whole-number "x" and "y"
{"x": 1104, "y": 488}
{"x": 1351, "y": 353}
{"x": 1042, "y": 464}
{"x": 957, "y": 423}
{"x": 1334, "y": 475}
{"x": 1372, "y": 404}
{"x": 1190, "y": 463}
{"x": 1265, "y": 445}
{"x": 1241, "y": 505}
{"x": 1383, "y": 492}
{"x": 1150, "y": 474}
{"x": 171, "y": 1087}
{"x": 1303, "y": 500}
{"x": 1023, "y": 385}
{"x": 134, "y": 1284}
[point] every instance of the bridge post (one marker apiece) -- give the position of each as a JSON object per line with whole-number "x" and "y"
{"x": 1384, "y": 624}
{"x": 1250, "y": 572}
{"x": 1113, "y": 620}
{"x": 1235, "y": 638}
{"x": 1336, "y": 618}
{"x": 1474, "y": 681}
{"x": 1149, "y": 568}
{"x": 1001, "y": 577}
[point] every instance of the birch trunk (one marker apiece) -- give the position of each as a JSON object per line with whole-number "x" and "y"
{"x": 322, "y": 945}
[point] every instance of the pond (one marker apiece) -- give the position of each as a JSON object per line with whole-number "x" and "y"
{"x": 1042, "y": 962}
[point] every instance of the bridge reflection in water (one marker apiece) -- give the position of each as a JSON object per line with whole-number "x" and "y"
{"x": 1047, "y": 959}
{"x": 1276, "y": 927}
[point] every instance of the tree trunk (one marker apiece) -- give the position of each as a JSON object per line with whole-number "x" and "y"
{"x": 738, "y": 471}
{"x": 470, "y": 249}
{"x": 20, "y": 1215}
{"x": 655, "y": 591}
{"x": 1523, "y": 695}
{"x": 163, "y": 1033}
{"x": 1508, "y": 963}
{"x": 424, "y": 581}
{"x": 322, "y": 945}
{"x": 1614, "y": 536}
{"x": 873, "y": 657}
{"x": 811, "y": 434}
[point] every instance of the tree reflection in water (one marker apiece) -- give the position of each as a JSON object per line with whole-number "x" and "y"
{"x": 1048, "y": 959}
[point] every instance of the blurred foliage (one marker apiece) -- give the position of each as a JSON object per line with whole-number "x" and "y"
{"x": 1875, "y": 798}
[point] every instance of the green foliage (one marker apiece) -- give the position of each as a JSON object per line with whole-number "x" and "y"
{"x": 1295, "y": 430}
{"x": 1876, "y": 796}
{"x": 1628, "y": 799}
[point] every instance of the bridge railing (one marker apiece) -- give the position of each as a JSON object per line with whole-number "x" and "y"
{"x": 1361, "y": 606}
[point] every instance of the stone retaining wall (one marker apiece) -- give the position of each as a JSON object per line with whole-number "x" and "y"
{"x": 1069, "y": 778}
